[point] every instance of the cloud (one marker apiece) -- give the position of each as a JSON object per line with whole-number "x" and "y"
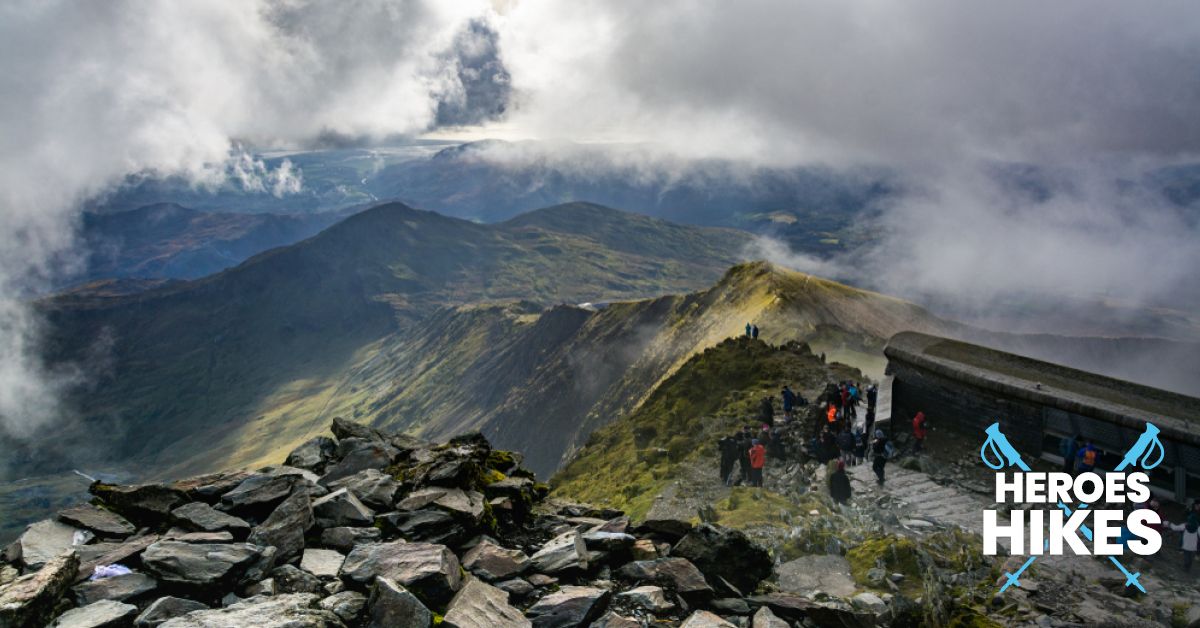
{"x": 97, "y": 91}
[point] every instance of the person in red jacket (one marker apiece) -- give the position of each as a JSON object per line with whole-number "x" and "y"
{"x": 919, "y": 432}
{"x": 758, "y": 457}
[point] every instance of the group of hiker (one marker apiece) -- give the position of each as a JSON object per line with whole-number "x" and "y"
{"x": 747, "y": 450}
{"x": 752, "y": 331}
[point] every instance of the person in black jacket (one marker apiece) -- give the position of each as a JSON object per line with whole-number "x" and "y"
{"x": 728, "y": 448}
{"x": 839, "y": 484}
{"x": 879, "y": 450}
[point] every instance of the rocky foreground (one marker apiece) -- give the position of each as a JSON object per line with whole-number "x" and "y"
{"x": 373, "y": 529}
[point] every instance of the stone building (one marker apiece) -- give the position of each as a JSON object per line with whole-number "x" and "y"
{"x": 967, "y": 387}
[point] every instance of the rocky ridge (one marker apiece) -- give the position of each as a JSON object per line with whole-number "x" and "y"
{"x": 374, "y": 529}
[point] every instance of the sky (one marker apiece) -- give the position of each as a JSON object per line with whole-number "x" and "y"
{"x": 1098, "y": 92}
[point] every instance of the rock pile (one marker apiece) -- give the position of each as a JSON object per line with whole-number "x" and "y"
{"x": 373, "y": 529}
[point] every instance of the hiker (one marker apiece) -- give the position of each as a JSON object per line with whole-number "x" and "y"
{"x": 754, "y": 332}
{"x": 766, "y": 410}
{"x": 757, "y": 456}
{"x": 789, "y": 402}
{"x": 742, "y": 444}
{"x": 775, "y": 446}
{"x": 831, "y": 414}
{"x": 829, "y": 446}
{"x": 1067, "y": 448}
{"x": 872, "y": 397}
{"x": 879, "y": 449}
{"x": 1191, "y": 538}
{"x": 919, "y": 432}
{"x": 845, "y": 443}
{"x": 728, "y": 448}
{"x": 747, "y": 330}
{"x": 860, "y": 446}
{"x": 1087, "y": 458}
{"x": 870, "y": 421}
{"x": 839, "y": 484}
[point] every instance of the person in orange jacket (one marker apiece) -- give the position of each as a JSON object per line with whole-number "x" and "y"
{"x": 758, "y": 457}
{"x": 919, "y": 431}
{"x": 831, "y": 413}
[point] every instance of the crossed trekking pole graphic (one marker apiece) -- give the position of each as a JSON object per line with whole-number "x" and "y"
{"x": 1003, "y": 454}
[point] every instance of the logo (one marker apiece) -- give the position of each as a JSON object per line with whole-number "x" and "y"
{"x": 1036, "y": 532}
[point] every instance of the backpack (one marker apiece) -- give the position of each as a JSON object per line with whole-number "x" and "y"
{"x": 1089, "y": 457}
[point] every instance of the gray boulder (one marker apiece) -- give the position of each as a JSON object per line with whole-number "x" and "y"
{"x": 297, "y": 610}
{"x": 721, "y": 552}
{"x": 119, "y": 588}
{"x": 104, "y": 614}
{"x": 393, "y": 605}
{"x": 30, "y": 599}
{"x": 705, "y": 619}
{"x": 313, "y": 455}
{"x": 372, "y": 486}
{"x": 286, "y": 527}
{"x": 143, "y": 504}
{"x": 165, "y": 608}
{"x": 340, "y": 509}
{"x": 347, "y": 605}
{"x": 199, "y": 565}
{"x": 613, "y": 620}
{"x": 368, "y": 455}
{"x": 103, "y": 522}
{"x": 430, "y": 571}
{"x": 345, "y": 539}
{"x": 677, "y": 574}
{"x": 480, "y": 605}
{"x": 43, "y": 540}
{"x": 202, "y": 517}
{"x": 322, "y": 563}
{"x": 259, "y": 493}
{"x": 764, "y": 618}
{"x": 493, "y": 562}
{"x": 516, "y": 588}
{"x": 569, "y": 606}
{"x": 428, "y": 526}
{"x": 564, "y": 553}
{"x": 600, "y": 541}
{"x": 649, "y": 597}
{"x": 290, "y": 579}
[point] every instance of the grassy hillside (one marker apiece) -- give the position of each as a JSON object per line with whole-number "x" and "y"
{"x": 629, "y": 462}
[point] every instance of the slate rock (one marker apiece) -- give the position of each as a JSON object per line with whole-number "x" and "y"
{"x": 165, "y": 608}
{"x": 677, "y": 574}
{"x": 705, "y": 619}
{"x": 730, "y": 606}
{"x": 179, "y": 534}
{"x": 199, "y": 565}
{"x": 119, "y": 588}
{"x": 30, "y": 600}
{"x": 725, "y": 553}
{"x": 313, "y": 455}
{"x": 618, "y": 525}
{"x": 480, "y": 605}
{"x": 92, "y": 556}
{"x": 393, "y": 605}
{"x": 649, "y": 597}
{"x": 291, "y": 579}
{"x": 565, "y": 552}
{"x": 612, "y": 619}
{"x": 569, "y": 606}
{"x": 204, "y": 518}
{"x": 343, "y": 429}
{"x": 345, "y": 539}
{"x": 371, "y": 455}
{"x": 259, "y": 493}
{"x": 296, "y": 610}
{"x": 542, "y": 580}
{"x": 669, "y": 529}
{"x": 432, "y": 572}
{"x": 286, "y": 527}
{"x": 429, "y": 526}
{"x": 340, "y": 509}
{"x": 516, "y": 588}
{"x": 643, "y": 549}
{"x": 209, "y": 488}
{"x": 43, "y": 540}
{"x": 103, "y": 614}
{"x": 764, "y": 618}
{"x": 493, "y": 562}
{"x": 322, "y": 563}
{"x": 371, "y": 486}
{"x": 103, "y": 522}
{"x": 143, "y": 504}
{"x": 347, "y": 605}
{"x": 608, "y": 541}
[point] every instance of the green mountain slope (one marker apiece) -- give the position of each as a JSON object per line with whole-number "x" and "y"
{"x": 186, "y": 372}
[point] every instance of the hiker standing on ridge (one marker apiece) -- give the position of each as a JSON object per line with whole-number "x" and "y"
{"x": 789, "y": 402}
{"x": 728, "y": 448}
{"x": 919, "y": 432}
{"x": 839, "y": 484}
{"x": 872, "y": 397}
{"x": 748, "y": 330}
{"x": 860, "y": 446}
{"x": 870, "y": 422}
{"x": 743, "y": 449}
{"x": 879, "y": 449}
{"x": 754, "y": 332}
{"x": 758, "y": 457}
